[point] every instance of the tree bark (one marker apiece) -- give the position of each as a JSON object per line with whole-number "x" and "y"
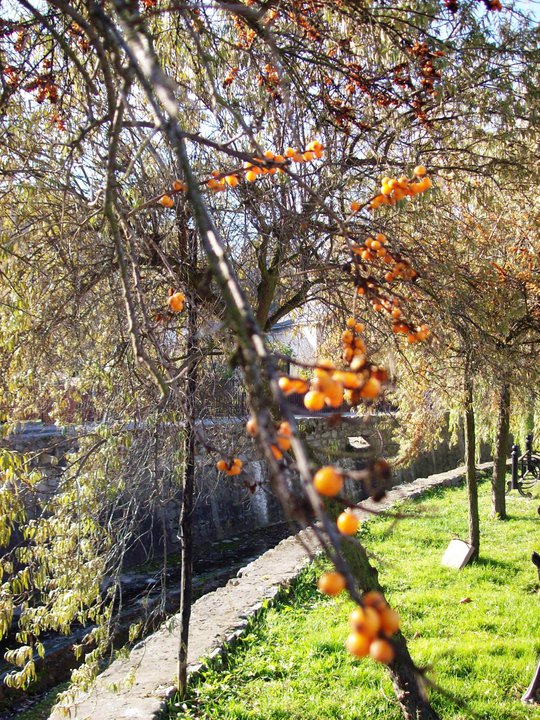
{"x": 470, "y": 463}
{"x": 188, "y": 488}
{"x": 498, "y": 480}
{"x": 407, "y": 681}
{"x": 408, "y": 685}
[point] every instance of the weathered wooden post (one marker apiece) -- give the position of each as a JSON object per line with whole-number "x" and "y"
{"x": 514, "y": 485}
{"x": 528, "y": 453}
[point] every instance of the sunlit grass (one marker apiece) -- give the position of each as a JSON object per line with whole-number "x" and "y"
{"x": 291, "y": 665}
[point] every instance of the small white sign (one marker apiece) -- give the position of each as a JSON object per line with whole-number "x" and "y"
{"x": 359, "y": 443}
{"x": 457, "y": 554}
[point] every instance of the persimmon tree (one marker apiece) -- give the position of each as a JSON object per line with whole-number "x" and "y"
{"x": 240, "y": 155}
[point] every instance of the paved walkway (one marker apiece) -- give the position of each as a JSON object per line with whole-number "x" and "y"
{"x": 137, "y": 687}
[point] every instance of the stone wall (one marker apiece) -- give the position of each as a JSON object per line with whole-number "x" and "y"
{"x": 227, "y": 507}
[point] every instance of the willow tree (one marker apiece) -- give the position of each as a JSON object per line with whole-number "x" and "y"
{"x": 484, "y": 317}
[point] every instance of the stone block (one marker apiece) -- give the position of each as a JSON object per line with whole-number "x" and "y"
{"x": 457, "y": 554}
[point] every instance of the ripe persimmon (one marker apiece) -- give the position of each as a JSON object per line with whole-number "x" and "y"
{"x": 389, "y": 621}
{"x": 371, "y": 389}
{"x": 349, "y": 380}
{"x": 293, "y": 385}
{"x": 375, "y": 599}
{"x": 166, "y": 201}
{"x": 358, "y": 362}
{"x": 176, "y": 301}
{"x": 334, "y": 394}
{"x": 331, "y": 583}
{"x": 382, "y": 651}
{"x": 328, "y": 481}
{"x": 285, "y": 429}
{"x": 358, "y": 644}
{"x": 232, "y": 468}
{"x": 276, "y": 452}
{"x": 348, "y": 523}
{"x": 314, "y": 400}
{"x": 365, "y": 620}
{"x": 284, "y": 444}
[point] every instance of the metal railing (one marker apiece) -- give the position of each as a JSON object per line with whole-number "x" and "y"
{"x": 525, "y": 468}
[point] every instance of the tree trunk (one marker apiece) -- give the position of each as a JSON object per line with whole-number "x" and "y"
{"x": 498, "y": 480}
{"x": 188, "y": 486}
{"x": 470, "y": 463}
{"x": 532, "y": 694}
{"x": 406, "y": 680}
{"x": 408, "y": 685}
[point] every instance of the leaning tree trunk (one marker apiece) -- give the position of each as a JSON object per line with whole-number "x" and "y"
{"x": 407, "y": 682}
{"x": 258, "y": 365}
{"x": 470, "y": 463}
{"x": 498, "y": 480}
{"x": 188, "y": 486}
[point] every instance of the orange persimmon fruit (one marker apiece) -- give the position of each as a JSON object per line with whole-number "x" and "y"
{"x": 331, "y": 583}
{"x": 328, "y": 481}
{"x": 348, "y": 523}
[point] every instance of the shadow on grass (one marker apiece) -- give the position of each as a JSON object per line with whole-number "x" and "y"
{"x": 492, "y": 562}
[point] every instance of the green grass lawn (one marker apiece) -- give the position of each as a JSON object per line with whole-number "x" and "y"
{"x": 292, "y": 665}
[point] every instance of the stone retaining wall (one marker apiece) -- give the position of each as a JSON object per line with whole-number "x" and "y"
{"x": 226, "y": 507}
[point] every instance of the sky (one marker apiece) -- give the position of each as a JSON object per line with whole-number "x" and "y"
{"x": 530, "y": 6}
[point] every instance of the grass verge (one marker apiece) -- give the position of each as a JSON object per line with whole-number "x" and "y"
{"x": 291, "y": 665}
